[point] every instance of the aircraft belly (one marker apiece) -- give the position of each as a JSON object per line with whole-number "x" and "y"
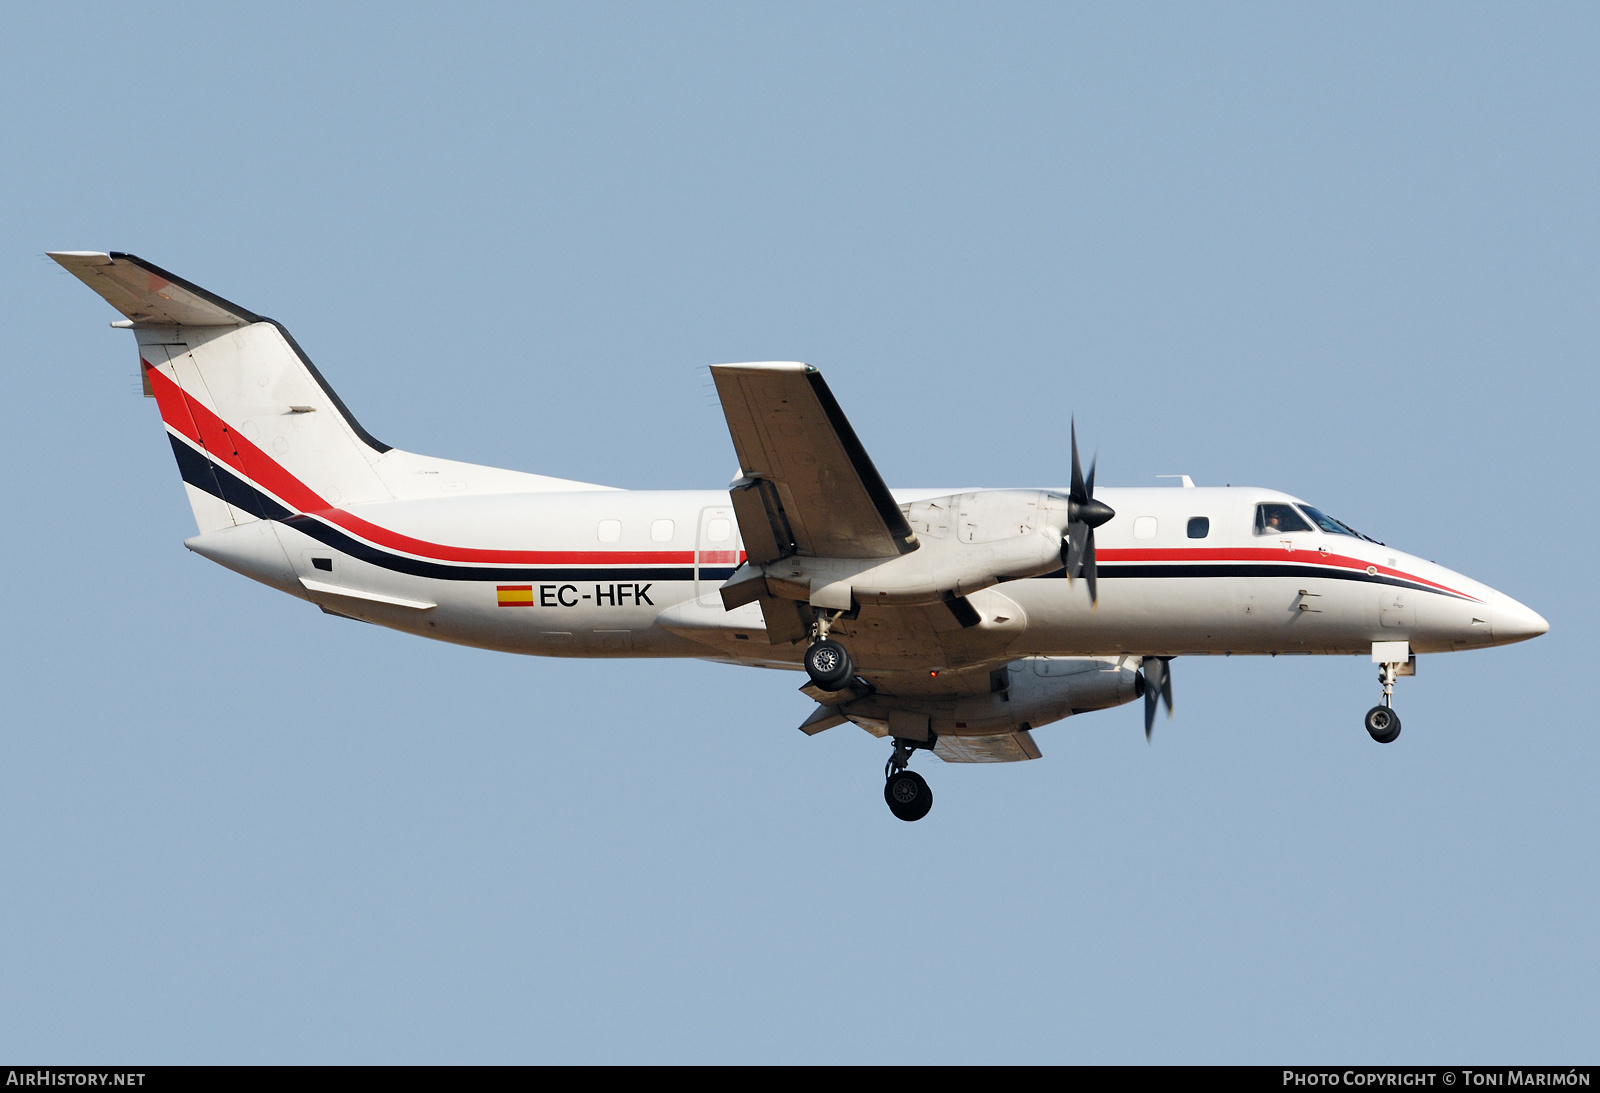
{"x": 576, "y": 625}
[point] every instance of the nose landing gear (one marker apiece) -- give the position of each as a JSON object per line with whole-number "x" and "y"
{"x": 1394, "y": 659}
{"x": 908, "y": 796}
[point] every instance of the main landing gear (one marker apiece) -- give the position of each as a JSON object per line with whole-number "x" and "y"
{"x": 829, "y": 665}
{"x": 1381, "y": 722}
{"x": 827, "y": 662}
{"x": 908, "y": 796}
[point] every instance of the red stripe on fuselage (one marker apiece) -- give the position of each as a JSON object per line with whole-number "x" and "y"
{"x": 1266, "y": 554}
{"x": 193, "y": 420}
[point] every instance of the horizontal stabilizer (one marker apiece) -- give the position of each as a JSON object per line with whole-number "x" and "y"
{"x": 148, "y": 294}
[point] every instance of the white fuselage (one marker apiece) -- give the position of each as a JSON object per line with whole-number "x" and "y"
{"x": 636, "y": 573}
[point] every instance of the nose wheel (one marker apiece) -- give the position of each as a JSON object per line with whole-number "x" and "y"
{"x": 1383, "y": 724}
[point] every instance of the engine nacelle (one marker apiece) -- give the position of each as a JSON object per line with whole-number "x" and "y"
{"x": 965, "y": 542}
{"x": 1037, "y": 691}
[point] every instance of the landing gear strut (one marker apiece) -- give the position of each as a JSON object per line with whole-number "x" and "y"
{"x": 1382, "y": 723}
{"x": 827, "y": 662}
{"x": 908, "y": 796}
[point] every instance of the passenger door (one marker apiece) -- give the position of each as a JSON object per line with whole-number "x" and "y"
{"x": 716, "y": 549}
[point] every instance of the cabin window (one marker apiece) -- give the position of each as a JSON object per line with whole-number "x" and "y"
{"x": 661, "y": 531}
{"x": 1278, "y": 519}
{"x": 718, "y": 530}
{"x": 1144, "y": 527}
{"x": 1199, "y": 527}
{"x": 610, "y": 531}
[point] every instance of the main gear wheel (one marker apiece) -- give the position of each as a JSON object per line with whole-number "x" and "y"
{"x": 829, "y": 665}
{"x": 908, "y": 795}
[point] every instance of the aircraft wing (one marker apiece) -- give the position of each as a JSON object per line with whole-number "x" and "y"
{"x": 807, "y": 484}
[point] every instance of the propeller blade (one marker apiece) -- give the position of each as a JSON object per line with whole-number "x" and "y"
{"x": 1084, "y": 514}
{"x": 1089, "y": 568}
{"x": 1079, "y": 492}
{"x": 1157, "y": 687}
{"x": 1077, "y": 539}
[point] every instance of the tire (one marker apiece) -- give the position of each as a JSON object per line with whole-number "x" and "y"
{"x": 1383, "y": 724}
{"x": 908, "y": 796}
{"x": 828, "y": 664}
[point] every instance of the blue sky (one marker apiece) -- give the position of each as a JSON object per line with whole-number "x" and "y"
{"x": 1347, "y": 252}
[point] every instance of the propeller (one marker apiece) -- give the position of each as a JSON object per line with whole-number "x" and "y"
{"x": 1084, "y": 514}
{"x": 1157, "y": 684}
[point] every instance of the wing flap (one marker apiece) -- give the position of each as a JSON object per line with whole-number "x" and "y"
{"x": 1011, "y": 747}
{"x": 823, "y": 717}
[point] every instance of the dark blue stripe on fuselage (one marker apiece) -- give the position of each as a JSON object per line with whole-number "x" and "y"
{"x": 338, "y": 540}
{"x": 205, "y": 473}
{"x": 1258, "y": 569}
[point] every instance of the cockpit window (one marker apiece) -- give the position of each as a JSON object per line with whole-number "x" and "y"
{"x": 1277, "y": 519}
{"x": 1332, "y": 526}
{"x": 1325, "y": 522}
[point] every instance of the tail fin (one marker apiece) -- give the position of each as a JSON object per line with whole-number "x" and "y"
{"x": 257, "y": 431}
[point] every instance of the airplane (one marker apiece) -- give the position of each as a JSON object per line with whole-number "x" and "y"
{"x": 952, "y": 621}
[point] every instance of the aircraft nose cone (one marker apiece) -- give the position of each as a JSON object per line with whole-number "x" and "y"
{"x": 1514, "y": 622}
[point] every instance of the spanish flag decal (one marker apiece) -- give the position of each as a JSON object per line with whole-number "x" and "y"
{"x": 515, "y": 595}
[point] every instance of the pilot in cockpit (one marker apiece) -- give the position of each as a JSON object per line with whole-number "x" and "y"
{"x": 1278, "y": 519}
